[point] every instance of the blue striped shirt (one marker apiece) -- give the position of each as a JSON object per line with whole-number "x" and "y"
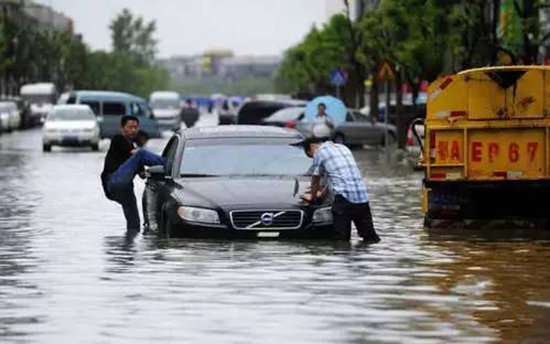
{"x": 336, "y": 163}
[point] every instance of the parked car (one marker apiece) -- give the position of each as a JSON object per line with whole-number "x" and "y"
{"x": 166, "y": 109}
{"x": 109, "y": 107}
{"x": 254, "y": 111}
{"x": 286, "y": 118}
{"x": 70, "y": 125}
{"x": 358, "y": 129}
{"x": 40, "y": 97}
{"x": 23, "y": 108}
{"x": 14, "y": 116}
{"x": 234, "y": 181}
{"x": 4, "y": 118}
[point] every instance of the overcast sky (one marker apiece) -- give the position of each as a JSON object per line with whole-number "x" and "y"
{"x": 256, "y": 27}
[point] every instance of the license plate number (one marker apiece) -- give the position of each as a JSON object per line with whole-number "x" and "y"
{"x": 267, "y": 234}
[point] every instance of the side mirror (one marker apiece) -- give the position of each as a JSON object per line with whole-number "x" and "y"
{"x": 157, "y": 172}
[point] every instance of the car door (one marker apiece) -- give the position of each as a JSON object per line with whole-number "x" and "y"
{"x": 368, "y": 132}
{"x": 146, "y": 122}
{"x": 157, "y": 192}
{"x": 112, "y": 110}
{"x": 349, "y": 129}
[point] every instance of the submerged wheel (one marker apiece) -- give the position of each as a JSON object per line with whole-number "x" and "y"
{"x": 391, "y": 139}
{"x": 46, "y": 148}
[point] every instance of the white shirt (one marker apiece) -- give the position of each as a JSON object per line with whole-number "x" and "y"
{"x": 322, "y": 127}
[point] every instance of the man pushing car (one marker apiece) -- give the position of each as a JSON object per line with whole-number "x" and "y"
{"x": 336, "y": 164}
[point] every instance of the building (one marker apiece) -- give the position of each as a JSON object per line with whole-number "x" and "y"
{"x": 220, "y": 64}
{"x": 40, "y": 17}
{"x": 237, "y": 67}
{"x": 31, "y": 15}
{"x": 357, "y": 7}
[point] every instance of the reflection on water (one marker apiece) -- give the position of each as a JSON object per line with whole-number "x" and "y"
{"x": 68, "y": 269}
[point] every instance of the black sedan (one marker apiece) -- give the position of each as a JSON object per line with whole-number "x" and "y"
{"x": 234, "y": 182}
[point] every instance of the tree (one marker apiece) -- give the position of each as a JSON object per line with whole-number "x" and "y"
{"x": 307, "y": 65}
{"x": 134, "y": 37}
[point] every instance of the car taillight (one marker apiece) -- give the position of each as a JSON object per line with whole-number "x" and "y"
{"x": 290, "y": 124}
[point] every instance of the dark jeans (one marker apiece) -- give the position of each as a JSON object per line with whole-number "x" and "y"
{"x": 343, "y": 212}
{"x": 121, "y": 184}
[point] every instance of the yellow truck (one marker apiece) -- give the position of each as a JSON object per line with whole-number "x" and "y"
{"x": 486, "y": 150}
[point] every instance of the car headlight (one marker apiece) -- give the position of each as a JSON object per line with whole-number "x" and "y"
{"x": 322, "y": 215}
{"x": 201, "y": 215}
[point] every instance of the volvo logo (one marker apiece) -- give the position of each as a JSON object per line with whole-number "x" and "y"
{"x": 267, "y": 219}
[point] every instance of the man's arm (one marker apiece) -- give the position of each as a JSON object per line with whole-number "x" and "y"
{"x": 315, "y": 187}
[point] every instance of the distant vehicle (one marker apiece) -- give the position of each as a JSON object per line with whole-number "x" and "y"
{"x": 228, "y": 112}
{"x": 23, "y": 109}
{"x": 358, "y": 129}
{"x": 4, "y": 118}
{"x": 234, "y": 182}
{"x": 14, "y": 116}
{"x": 70, "y": 125}
{"x": 285, "y": 118}
{"x": 41, "y": 97}
{"x": 254, "y": 111}
{"x": 166, "y": 109}
{"x": 109, "y": 107}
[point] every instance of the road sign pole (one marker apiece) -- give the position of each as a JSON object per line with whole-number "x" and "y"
{"x": 338, "y": 91}
{"x": 387, "y": 112}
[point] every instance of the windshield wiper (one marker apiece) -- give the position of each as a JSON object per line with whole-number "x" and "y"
{"x": 198, "y": 175}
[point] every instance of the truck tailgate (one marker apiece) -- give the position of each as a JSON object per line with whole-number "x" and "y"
{"x": 487, "y": 154}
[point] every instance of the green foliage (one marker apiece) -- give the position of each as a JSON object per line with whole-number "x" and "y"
{"x": 307, "y": 66}
{"x": 134, "y": 37}
{"x": 424, "y": 38}
{"x": 27, "y": 56}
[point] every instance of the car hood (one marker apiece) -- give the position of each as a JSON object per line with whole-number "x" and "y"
{"x": 70, "y": 125}
{"x": 242, "y": 193}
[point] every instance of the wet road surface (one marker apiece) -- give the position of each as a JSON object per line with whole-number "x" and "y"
{"x": 68, "y": 271}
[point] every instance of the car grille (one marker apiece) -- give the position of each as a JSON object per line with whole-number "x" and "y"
{"x": 281, "y": 219}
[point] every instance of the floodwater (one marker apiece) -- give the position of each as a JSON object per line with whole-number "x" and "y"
{"x": 68, "y": 272}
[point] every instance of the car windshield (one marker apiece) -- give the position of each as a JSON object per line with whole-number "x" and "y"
{"x": 71, "y": 115}
{"x": 165, "y": 104}
{"x": 244, "y": 159}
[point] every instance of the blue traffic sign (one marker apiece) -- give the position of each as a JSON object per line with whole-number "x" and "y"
{"x": 338, "y": 77}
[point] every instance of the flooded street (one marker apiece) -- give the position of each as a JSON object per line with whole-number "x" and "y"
{"x": 67, "y": 270}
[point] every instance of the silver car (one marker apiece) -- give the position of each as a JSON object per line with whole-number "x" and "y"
{"x": 358, "y": 129}
{"x": 71, "y": 125}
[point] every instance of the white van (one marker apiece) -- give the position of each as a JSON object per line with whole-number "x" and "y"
{"x": 41, "y": 97}
{"x": 166, "y": 109}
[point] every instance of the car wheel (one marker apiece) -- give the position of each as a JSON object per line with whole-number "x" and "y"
{"x": 391, "y": 139}
{"x": 339, "y": 138}
{"x": 46, "y": 148}
{"x": 95, "y": 147}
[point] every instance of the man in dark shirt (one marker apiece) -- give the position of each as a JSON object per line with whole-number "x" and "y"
{"x": 122, "y": 163}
